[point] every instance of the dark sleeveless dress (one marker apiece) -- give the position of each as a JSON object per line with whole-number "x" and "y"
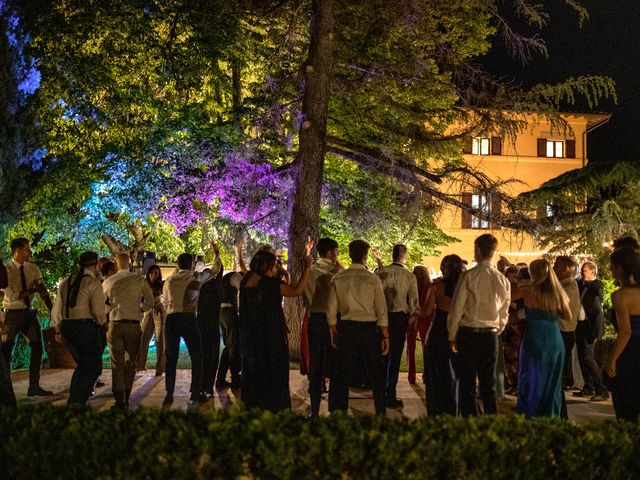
{"x": 541, "y": 366}
{"x": 626, "y": 383}
{"x": 439, "y": 366}
{"x": 264, "y": 346}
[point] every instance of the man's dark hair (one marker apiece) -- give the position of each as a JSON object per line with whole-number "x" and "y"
{"x": 325, "y": 245}
{"x": 108, "y": 268}
{"x": 487, "y": 244}
{"x": 17, "y": 243}
{"x": 625, "y": 242}
{"x": 511, "y": 269}
{"x": 399, "y": 251}
{"x": 358, "y": 249}
{"x": 262, "y": 262}
{"x": 88, "y": 259}
{"x": 566, "y": 261}
{"x": 185, "y": 261}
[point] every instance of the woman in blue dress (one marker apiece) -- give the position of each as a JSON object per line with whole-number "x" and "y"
{"x": 542, "y": 350}
{"x": 624, "y": 360}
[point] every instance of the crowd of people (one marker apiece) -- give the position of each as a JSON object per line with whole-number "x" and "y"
{"x": 475, "y": 326}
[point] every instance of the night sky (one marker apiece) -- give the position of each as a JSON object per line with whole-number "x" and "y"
{"x": 608, "y": 44}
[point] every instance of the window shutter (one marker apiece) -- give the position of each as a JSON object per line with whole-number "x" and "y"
{"x": 496, "y": 146}
{"x": 570, "y": 148}
{"x": 468, "y": 145}
{"x": 496, "y": 205}
{"x": 542, "y": 147}
{"x": 466, "y": 216}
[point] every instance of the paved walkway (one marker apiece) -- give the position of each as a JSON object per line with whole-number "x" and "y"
{"x": 149, "y": 391}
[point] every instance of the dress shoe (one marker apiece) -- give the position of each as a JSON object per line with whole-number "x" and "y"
{"x": 39, "y": 392}
{"x": 584, "y": 393}
{"x": 599, "y": 397}
{"x": 222, "y": 383}
{"x": 100, "y": 383}
{"x": 168, "y": 400}
{"x": 394, "y": 403}
{"x": 200, "y": 398}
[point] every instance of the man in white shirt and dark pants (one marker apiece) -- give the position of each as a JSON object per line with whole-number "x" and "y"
{"x": 180, "y": 292}
{"x": 401, "y": 293}
{"x": 317, "y": 297}
{"x": 24, "y": 280}
{"x": 128, "y": 295}
{"x": 478, "y": 314}
{"x": 357, "y": 297}
{"x": 79, "y": 314}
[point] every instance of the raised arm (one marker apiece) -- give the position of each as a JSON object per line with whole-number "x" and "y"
{"x": 241, "y": 264}
{"x": 288, "y": 290}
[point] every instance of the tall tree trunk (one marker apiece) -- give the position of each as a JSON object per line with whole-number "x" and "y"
{"x": 305, "y": 215}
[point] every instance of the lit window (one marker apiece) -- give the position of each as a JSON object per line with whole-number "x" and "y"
{"x": 480, "y": 202}
{"x": 555, "y": 148}
{"x": 480, "y": 146}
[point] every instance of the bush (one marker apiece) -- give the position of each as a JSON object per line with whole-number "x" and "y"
{"x": 54, "y": 442}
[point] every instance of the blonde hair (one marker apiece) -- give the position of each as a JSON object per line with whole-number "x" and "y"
{"x": 551, "y": 293}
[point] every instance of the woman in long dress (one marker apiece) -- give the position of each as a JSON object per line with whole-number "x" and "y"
{"x": 542, "y": 351}
{"x": 264, "y": 346}
{"x": 624, "y": 360}
{"x": 439, "y": 359}
{"x": 421, "y": 325}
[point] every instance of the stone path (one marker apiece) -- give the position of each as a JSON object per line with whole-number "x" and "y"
{"x": 149, "y": 391}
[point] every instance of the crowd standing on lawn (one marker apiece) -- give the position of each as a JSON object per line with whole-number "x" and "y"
{"x": 357, "y": 322}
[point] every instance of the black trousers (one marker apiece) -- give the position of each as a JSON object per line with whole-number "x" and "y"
{"x": 83, "y": 339}
{"x": 209, "y": 329}
{"x": 569, "y": 340}
{"x": 354, "y": 338}
{"x": 183, "y": 325}
{"x": 25, "y": 322}
{"x": 7, "y": 396}
{"x": 230, "y": 358}
{"x": 398, "y": 322}
{"x": 319, "y": 350}
{"x": 591, "y": 372}
{"x": 477, "y": 356}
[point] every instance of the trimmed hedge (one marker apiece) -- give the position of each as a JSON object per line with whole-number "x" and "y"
{"x": 63, "y": 442}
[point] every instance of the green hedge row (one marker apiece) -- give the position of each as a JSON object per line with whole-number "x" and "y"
{"x": 54, "y": 442}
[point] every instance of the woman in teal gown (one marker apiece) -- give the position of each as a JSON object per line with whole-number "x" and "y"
{"x": 542, "y": 350}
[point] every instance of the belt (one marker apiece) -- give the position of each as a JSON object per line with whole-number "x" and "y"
{"x": 480, "y": 330}
{"x": 85, "y": 320}
{"x": 226, "y": 305}
{"x": 126, "y": 321}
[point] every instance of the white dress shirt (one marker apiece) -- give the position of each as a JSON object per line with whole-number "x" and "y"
{"x": 573, "y": 293}
{"x": 90, "y": 302}
{"x": 181, "y": 291}
{"x": 12, "y": 300}
{"x": 400, "y": 288}
{"x": 356, "y": 294}
{"x": 481, "y": 300}
{"x": 316, "y": 293}
{"x": 128, "y": 295}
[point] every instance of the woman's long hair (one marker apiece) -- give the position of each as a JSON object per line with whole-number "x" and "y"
{"x": 422, "y": 276}
{"x": 451, "y": 267}
{"x": 551, "y": 293}
{"x": 157, "y": 284}
{"x": 262, "y": 262}
{"x": 628, "y": 260}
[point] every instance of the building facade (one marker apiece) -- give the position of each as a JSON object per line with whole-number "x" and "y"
{"x": 537, "y": 154}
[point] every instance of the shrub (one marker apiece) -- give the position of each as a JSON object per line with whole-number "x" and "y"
{"x": 54, "y": 442}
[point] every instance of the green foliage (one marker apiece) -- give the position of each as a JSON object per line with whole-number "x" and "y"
{"x": 50, "y": 442}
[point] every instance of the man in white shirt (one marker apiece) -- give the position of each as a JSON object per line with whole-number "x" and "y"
{"x": 478, "y": 314}
{"x": 79, "y": 315}
{"x": 356, "y": 296}
{"x": 317, "y": 299}
{"x": 401, "y": 293}
{"x": 127, "y": 296}
{"x": 565, "y": 268}
{"x": 24, "y": 280}
{"x": 180, "y": 292}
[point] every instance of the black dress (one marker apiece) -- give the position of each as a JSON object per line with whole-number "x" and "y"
{"x": 264, "y": 346}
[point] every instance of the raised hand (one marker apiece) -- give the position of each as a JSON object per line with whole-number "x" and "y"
{"x": 308, "y": 247}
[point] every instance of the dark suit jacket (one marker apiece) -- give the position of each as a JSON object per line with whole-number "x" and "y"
{"x": 4, "y": 279}
{"x": 592, "y": 294}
